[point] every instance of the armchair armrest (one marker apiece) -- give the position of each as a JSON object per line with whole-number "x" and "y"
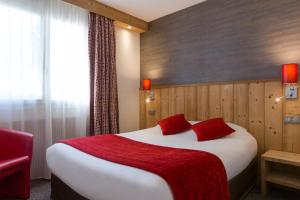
{"x": 15, "y": 144}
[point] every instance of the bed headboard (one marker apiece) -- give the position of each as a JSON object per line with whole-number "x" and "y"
{"x": 251, "y": 104}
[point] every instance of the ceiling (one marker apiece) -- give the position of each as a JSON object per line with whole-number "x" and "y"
{"x": 149, "y": 10}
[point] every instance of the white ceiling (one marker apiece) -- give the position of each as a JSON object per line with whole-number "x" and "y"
{"x": 149, "y": 10}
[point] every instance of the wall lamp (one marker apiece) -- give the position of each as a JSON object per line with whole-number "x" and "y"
{"x": 147, "y": 86}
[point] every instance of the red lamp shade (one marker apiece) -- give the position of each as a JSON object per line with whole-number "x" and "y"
{"x": 146, "y": 84}
{"x": 290, "y": 73}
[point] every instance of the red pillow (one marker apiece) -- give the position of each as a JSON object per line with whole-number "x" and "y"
{"x": 174, "y": 124}
{"x": 212, "y": 129}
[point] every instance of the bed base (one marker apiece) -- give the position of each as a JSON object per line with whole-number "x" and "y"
{"x": 239, "y": 186}
{"x": 242, "y": 184}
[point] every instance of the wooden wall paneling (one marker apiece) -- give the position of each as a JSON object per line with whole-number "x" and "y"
{"x": 288, "y": 129}
{"x": 227, "y": 102}
{"x": 179, "y": 100}
{"x": 296, "y": 137}
{"x": 172, "y": 101}
{"x": 150, "y": 118}
{"x": 214, "y": 101}
{"x": 190, "y": 103}
{"x": 288, "y": 137}
{"x": 157, "y": 103}
{"x": 273, "y": 116}
{"x": 292, "y": 106}
{"x": 254, "y": 105}
{"x": 202, "y": 102}
{"x": 164, "y": 107}
{"x": 291, "y": 138}
{"x": 150, "y": 107}
{"x": 241, "y": 102}
{"x": 153, "y": 109}
{"x": 257, "y": 113}
{"x": 142, "y": 109}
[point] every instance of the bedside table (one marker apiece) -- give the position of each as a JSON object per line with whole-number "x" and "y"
{"x": 270, "y": 174}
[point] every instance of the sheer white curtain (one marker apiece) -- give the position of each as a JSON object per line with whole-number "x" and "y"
{"x": 44, "y": 72}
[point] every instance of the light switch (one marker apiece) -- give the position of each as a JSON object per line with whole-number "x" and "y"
{"x": 291, "y": 92}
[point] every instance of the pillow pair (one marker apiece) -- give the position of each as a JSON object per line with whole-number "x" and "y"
{"x": 206, "y": 130}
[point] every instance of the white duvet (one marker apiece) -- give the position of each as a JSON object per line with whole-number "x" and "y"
{"x": 98, "y": 179}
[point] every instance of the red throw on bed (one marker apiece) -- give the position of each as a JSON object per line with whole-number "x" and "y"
{"x": 191, "y": 174}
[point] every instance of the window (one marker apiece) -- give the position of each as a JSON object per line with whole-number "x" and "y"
{"x": 69, "y": 71}
{"x": 44, "y": 72}
{"x": 21, "y": 54}
{"x": 43, "y": 55}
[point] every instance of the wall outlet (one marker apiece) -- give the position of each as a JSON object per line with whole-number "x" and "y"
{"x": 152, "y": 112}
{"x": 295, "y": 119}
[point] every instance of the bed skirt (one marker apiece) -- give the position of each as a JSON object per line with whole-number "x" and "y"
{"x": 239, "y": 186}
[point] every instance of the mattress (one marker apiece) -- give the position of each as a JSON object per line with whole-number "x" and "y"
{"x": 98, "y": 179}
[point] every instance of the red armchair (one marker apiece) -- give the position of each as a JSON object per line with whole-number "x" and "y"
{"x": 15, "y": 158}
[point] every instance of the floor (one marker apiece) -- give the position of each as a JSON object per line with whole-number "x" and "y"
{"x": 40, "y": 190}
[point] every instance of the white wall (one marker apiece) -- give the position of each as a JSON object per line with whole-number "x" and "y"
{"x": 128, "y": 73}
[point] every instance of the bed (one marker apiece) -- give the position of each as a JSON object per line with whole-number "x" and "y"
{"x": 77, "y": 175}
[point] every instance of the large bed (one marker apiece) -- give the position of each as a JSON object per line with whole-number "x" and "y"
{"x": 82, "y": 176}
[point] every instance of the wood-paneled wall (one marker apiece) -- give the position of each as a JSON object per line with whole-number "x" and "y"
{"x": 250, "y": 104}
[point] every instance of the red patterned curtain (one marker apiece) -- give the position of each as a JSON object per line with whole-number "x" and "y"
{"x": 104, "y": 114}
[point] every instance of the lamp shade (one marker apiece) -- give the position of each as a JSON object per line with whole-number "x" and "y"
{"x": 289, "y": 73}
{"x": 146, "y": 84}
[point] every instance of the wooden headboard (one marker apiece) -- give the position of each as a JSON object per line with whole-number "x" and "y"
{"x": 251, "y": 104}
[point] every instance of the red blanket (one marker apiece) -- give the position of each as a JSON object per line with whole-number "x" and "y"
{"x": 191, "y": 174}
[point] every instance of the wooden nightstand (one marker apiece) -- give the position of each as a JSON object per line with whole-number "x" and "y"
{"x": 272, "y": 174}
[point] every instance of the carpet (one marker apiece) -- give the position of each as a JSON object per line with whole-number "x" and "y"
{"x": 40, "y": 190}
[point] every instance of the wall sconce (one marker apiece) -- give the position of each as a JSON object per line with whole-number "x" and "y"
{"x": 290, "y": 80}
{"x": 147, "y": 86}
